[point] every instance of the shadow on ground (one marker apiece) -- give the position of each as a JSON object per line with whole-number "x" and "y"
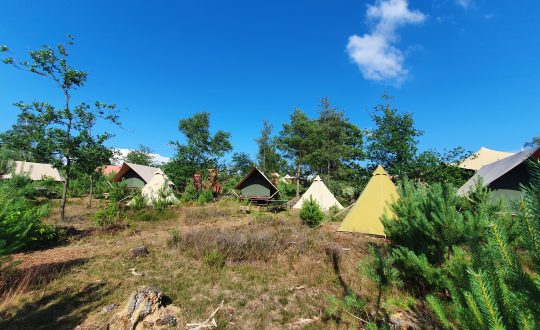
{"x": 58, "y": 310}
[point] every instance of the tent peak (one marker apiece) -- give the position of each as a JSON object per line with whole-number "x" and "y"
{"x": 379, "y": 171}
{"x": 317, "y": 178}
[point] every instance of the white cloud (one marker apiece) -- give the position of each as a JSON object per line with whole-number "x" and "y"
{"x": 464, "y": 3}
{"x": 157, "y": 158}
{"x": 375, "y": 53}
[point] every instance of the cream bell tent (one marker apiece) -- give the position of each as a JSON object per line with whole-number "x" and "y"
{"x": 319, "y": 192}
{"x": 159, "y": 181}
{"x": 365, "y": 215}
{"x": 483, "y": 157}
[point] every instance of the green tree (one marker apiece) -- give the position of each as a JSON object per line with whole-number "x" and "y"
{"x": 91, "y": 156}
{"x": 268, "y": 159}
{"x": 296, "y": 141}
{"x": 337, "y": 143}
{"x": 201, "y": 149}
{"x": 501, "y": 288}
{"x": 241, "y": 163}
{"x": 381, "y": 271}
{"x": 29, "y": 142}
{"x": 141, "y": 156}
{"x": 67, "y": 127}
{"x": 431, "y": 166}
{"x": 393, "y": 142}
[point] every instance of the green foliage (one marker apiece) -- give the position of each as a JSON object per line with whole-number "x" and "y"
{"x": 286, "y": 190}
{"x": 379, "y": 268}
{"x": 175, "y": 237}
{"x": 484, "y": 275}
{"x": 141, "y": 155}
{"x": 201, "y": 150}
{"x": 393, "y": 143}
{"x": 20, "y": 219}
{"x": 164, "y": 197}
{"x": 190, "y": 194}
{"x": 61, "y": 134}
{"x": 351, "y": 304}
{"x": 241, "y": 163}
{"x": 337, "y": 143}
{"x": 138, "y": 202}
{"x": 109, "y": 216}
{"x": 205, "y": 197}
{"x": 214, "y": 259}
{"x": 429, "y": 226}
{"x": 268, "y": 158}
{"x": 118, "y": 191}
{"x": 295, "y": 140}
{"x": 311, "y": 213}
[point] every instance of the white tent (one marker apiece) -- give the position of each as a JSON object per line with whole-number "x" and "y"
{"x": 159, "y": 181}
{"x": 35, "y": 171}
{"x": 320, "y": 193}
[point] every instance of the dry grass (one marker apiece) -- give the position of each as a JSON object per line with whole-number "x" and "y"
{"x": 276, "y": 271}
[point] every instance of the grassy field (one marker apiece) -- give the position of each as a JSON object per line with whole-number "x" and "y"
{"x": 269, "y": 269}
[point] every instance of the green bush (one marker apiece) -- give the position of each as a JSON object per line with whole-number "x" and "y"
{"x": 190, "y": 193}
{"x": 118, "y": 191}
{"x": 501, "y": 285}
{"x": 430, "y": 226}
{"x": 286, "y": 190}
{"x": 138, "y": 202}
{"x": 20, "y": 218}
{"x": 205, "y": 197}
{"x": 214, "y": 259}
{"x": 175, "y": 237}
{"x": 110, "y": 216}
{"x": 311, "y": 213}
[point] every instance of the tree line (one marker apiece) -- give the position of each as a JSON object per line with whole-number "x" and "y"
{"x": 329, "y": 145}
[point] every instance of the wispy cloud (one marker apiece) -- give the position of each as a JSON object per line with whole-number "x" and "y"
{"x": 464, "y": 3}
{"x": 375, "y": 53}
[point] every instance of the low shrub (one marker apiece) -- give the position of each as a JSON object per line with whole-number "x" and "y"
{"x": 110, "y": 216}
{"x": 205, "y": 197}
{"x": 190, "y": 194}
{"x": 256, "y": 242}
{"x": 214, "y": 259}
{"x": 311, "y": 213}
{"x": 118, "y": 191}
{"x": 138, "y": 202}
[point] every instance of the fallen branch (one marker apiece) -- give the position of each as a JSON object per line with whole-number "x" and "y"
{"x": 210, "y": 322}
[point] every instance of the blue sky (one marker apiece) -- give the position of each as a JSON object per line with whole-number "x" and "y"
{"x": 467, "y": 69}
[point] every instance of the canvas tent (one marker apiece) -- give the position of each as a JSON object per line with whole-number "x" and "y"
{"x": 365, "y": 215}
{"x": 35, "y": 171}
{"x": 504, "y": 177}
{"x": 159, "y": 181}
{"x": 320, "y": 193}
{"x": 255, "y": 185}
{"x": 482, "y": 157}
{"x": 135, "y": 176}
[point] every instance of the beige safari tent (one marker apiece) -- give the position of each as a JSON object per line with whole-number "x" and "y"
{"x": 320, "y": 193}
{"x": 35, "y": 171}
{"x": 134, "y": 175}
{"x": 504, "y": 177}
{"x": 159, "y": 181}
{"x": 482, "y": 157}
{"x": 365, "y": 215}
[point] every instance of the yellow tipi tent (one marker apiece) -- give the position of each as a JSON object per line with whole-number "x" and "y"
{"x": 365, "y": 215}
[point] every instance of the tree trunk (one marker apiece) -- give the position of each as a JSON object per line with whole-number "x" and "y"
{"x": 64, "y": 191}
{"x": 379, "y": 298}
{"x": 89, "y": 205}
{"x": 328, "y": 170}
{"x": 298, "y": 180}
